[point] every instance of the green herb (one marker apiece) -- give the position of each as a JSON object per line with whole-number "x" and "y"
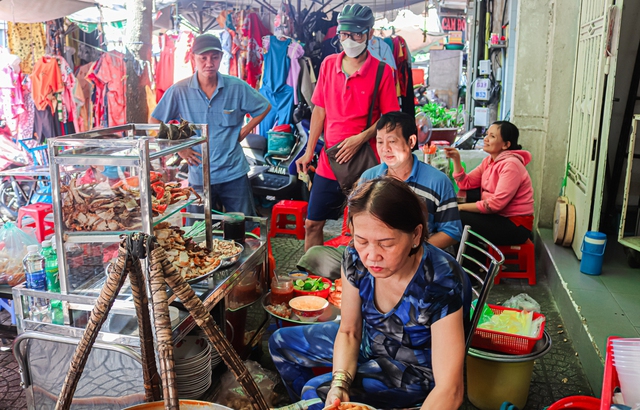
{"x": 442, "y": 117}
{"x": 310, "y": 284}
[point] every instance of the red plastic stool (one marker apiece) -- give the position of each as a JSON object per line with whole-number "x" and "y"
{"x": 523, "y": 256}
{"x": 37, "y": 211}
{"x": 280, "y": 223}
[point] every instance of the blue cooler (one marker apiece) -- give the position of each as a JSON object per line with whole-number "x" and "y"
{"x": 592, "y": 249}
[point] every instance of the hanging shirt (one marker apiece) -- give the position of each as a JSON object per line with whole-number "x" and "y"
{"x": 112, "y": 73}
{"x": 46, "y": 81}
{"x": 26, "y": 119}
{"x": 381, "y": 50}
{"x": 27, "y": 41}
{"x": 253, "y": 30}
{"x": 165, "y": 65}
{"x": 294, "y": 52}
{"x": 11, "y": 98}
{"x": 225, "y": 40}
{"x": 82, "y": 97}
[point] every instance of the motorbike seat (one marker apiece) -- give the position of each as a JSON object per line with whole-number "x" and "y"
{"x": 255, "y": 142}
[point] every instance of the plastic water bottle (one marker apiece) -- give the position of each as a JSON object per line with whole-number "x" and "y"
{"x": 53, "y": 280}
{"x": 33, "y": 264}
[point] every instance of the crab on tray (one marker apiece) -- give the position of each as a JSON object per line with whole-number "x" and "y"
{"x": 99, "y": 206}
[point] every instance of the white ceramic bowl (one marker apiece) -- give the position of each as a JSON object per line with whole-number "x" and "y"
{"x": 308, "y": 308}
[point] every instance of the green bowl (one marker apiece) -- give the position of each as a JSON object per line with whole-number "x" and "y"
{"x": 454, "y": 46}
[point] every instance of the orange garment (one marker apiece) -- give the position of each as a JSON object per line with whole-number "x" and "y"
{"x": 112, "y": 73}
{"x": 82, "y": 97}
{"x": 46, "y": 81}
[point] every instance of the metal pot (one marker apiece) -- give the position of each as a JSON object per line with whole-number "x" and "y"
{"x": 493, "y": 378}
{"x": 184, "y": 405}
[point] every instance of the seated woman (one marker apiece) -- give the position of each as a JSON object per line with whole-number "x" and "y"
{"x": 504, "y": 213}
{"x": 401, "y": 338}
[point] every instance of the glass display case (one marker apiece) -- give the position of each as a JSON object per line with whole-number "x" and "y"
{"x": 103, "y": 187}
{"x": 113, "y": 181}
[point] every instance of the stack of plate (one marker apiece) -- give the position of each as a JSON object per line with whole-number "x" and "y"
{"x": 192, "y": 358}
{"x": 626, "y": 359}
{"x": 215, "y": 356}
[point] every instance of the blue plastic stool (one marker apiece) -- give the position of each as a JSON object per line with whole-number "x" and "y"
{"x": 7, "y": 304}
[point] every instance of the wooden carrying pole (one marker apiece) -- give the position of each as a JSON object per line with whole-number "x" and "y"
{"x": 203, "y": 319}
{"x": 127, "y": 262}
{"x": 162, "y": 272}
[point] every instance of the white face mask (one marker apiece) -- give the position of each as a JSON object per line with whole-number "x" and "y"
{"x": 352, "y": 48}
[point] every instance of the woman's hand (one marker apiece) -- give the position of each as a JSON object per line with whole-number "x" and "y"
{"x": 452, "y": 153}
{"x": 192, "y": 157}
{"x": 335, "y": 396}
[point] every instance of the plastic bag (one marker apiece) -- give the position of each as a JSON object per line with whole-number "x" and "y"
{"x": 510, "y": 321}
{"x": 232, "y": 395}
{"x": 486, "y": 314}
{"x": 523, "y": 302}
{"x": 13, "y": 248}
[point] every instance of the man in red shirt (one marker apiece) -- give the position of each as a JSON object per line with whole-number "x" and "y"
{"x": 342, "y": 100}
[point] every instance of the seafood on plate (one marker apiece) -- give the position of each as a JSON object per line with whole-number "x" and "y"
{"x": 335, "y": 297}
{"x": 97, "y": 207}
{"x": 281, "y": 310}
{"x": 187, "y": 257}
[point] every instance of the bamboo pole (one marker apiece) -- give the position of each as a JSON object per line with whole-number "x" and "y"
{"x": 162, "y": 322}
{"x": 141, "y": 302}
{"x": 203, "y": 319}
{"x": 99, "y": 313}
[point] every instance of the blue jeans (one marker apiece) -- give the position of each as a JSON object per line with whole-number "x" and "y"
{"x": 233, "y": 196}
{"x": 380, "y": 382}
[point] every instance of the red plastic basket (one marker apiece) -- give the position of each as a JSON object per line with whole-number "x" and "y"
{"x": 610, "y": 379}
{"x": 506, "y": 342}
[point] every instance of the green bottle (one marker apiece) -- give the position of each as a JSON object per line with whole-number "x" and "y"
{"x": 53, "y": 280}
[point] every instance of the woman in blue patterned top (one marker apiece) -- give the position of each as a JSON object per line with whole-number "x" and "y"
{"x": 401, "y": 337}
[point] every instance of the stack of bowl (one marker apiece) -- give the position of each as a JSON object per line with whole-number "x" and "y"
{"x": 192, "y": 366}
{"x": 626, "y": 359}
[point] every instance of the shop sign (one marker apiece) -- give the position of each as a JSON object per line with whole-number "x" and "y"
{"x": 454, "y": 23}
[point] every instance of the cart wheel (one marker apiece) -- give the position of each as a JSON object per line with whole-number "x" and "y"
{"x": 633, "y": 257}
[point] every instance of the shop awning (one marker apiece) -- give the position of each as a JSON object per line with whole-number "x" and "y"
{"x": 36, "y": 11}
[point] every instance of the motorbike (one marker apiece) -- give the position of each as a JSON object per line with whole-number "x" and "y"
{"x": 276, "y": 177}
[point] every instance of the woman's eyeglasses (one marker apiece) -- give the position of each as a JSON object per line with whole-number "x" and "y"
{"x": 354, "y": 36}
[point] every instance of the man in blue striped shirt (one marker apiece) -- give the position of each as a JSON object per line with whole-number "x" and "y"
{"x": 395, "y": 139}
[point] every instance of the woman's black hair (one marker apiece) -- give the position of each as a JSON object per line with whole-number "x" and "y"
{"x": 393, "y": 203}
{"x": 406, "y": 122}
{"x": 509, "y": 133}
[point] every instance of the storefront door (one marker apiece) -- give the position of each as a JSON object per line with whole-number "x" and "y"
{"x": 591, "y": 112}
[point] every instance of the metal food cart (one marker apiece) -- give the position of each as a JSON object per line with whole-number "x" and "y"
{"x": 112, "y": 378}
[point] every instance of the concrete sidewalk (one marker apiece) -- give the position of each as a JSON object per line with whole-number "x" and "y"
{"x": 558, "y": 374}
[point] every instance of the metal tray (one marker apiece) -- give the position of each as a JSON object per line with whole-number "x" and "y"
{"x": 331, "y": 314}
{"x": 226, "y": 262}
{"x": 206, "y": 275}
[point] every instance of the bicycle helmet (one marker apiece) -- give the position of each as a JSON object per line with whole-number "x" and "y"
{"x": 355, "y": 18}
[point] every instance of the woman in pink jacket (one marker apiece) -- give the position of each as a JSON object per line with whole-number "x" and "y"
{"x": 504, "y": 214}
